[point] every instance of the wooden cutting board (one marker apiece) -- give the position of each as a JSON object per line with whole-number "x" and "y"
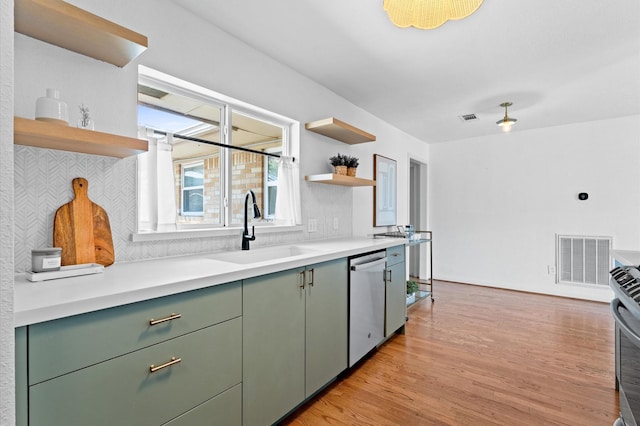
{"x": 81, "y": 228}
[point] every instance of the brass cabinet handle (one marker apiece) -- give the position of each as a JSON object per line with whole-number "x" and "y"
{"x": 303, "y": 279}
{"x": 312, "y": 277}
{"x": 174, "y": 360}
{"x": 165, "y": 319}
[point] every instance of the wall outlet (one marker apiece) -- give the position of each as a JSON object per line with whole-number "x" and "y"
{"x": 336, "y": 223}
{"x": 551, "y": 270}
{"x": 312, "y": 225}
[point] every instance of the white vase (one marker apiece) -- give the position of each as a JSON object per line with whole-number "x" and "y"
{"x": 51, "y": 108}
{"x": 85, "y": 124}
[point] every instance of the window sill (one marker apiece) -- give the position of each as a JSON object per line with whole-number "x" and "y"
{"x": 210, "y": 232}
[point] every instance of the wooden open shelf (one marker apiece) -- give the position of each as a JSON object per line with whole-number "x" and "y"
{"x": 339, "y": 130}
{"x": 333, "y": 179}
{"x": 72, "y": 28}
{"x": 42, "y": 134}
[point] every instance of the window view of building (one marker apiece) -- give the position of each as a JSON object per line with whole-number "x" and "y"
{"x": 192, "y": 187}
{"x": 211, "y": 180}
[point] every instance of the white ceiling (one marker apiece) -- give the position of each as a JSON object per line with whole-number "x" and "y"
{"x": 559, "y": 62}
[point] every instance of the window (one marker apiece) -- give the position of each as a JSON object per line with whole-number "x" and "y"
{"x": 271, "y": 187}
{"x": 211, "y": 180}
{"x": 192, "y": 189}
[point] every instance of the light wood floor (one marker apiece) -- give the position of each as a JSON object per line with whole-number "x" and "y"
{"x": 482, "y": 356}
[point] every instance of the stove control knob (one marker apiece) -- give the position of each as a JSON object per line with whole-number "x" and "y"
{"x": 618, "y": 274}
{"x": 625, "y": 279}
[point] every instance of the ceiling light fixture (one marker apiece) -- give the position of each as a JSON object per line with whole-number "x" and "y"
{"x": 507, "y": 121}
{"x": 428, "y": 14}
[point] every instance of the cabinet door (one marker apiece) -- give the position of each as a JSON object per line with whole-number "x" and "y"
{"x": 273, "y": 355}
{"x": 123, "y": 390}
{"x": 68, "y": 344}
{"x": 22, "y": 395}
{"x": 223, "y": 410}
{"x": 396, "y": 298}
{"x": 327, "y": 324}
{"x": 396, "y": 254}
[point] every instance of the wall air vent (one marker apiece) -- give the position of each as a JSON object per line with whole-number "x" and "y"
{"x": 468, "y": 117}
{"x": 583, "y": 260}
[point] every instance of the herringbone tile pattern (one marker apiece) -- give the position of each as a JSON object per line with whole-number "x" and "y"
{"x": 43, "y": 184}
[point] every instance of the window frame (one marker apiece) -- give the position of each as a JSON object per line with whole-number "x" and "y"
{"x": 183, "y": 188}
{"x": 290, "y": 141}
{"x": 266, "y": 184}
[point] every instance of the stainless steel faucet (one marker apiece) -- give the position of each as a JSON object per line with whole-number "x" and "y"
{"x": 256, "y": 214}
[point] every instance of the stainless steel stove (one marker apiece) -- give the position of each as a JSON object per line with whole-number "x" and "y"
{"x": 625, "y": 308}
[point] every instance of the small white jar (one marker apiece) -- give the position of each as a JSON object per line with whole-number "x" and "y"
{"x": 46, "y": 260}
{"x": 51, "y": 108}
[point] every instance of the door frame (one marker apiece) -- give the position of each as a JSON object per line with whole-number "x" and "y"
{"x": 417, "y": 205}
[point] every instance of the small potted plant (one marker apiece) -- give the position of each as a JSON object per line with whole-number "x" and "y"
{"x": 412, "y": 287}
{"x": 338, "y": 163}
{"x": 352, "y": 165}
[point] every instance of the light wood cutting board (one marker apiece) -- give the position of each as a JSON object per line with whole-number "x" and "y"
{"x": 81, "y": 228}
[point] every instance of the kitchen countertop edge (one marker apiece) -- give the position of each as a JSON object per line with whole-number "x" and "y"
{"x": 627, "y": 257}
{"x": 136, "y": 281}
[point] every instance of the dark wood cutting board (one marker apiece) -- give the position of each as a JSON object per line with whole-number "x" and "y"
{"x": 81, "y": 228}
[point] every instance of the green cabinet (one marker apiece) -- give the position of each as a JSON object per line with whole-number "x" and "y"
{"x": 222, "y": 410}
{"x": 147, "y": 363}
{"x": 294, "y": 339}
{"x": 244, "y": 352}
{"x": 272, "y": 345}
{"x": 22, "y": 388}
{"x": 125, "y": 391}
{"x": 326, "y": 323}
{"x": 68, "y": 344}
{"x": 395, "y": 290}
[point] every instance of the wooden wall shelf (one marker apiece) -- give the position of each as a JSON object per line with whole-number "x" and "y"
{"x": 342, "y": 180}
{"x": 75, "y": 29}
{"x": 42, "y": 134}
{"x": 339, "y": 130}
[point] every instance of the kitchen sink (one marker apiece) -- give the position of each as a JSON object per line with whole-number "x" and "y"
{"x": 265, "y": 254}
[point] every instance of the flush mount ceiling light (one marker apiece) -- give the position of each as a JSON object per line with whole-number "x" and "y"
{"x": 507, "y": 121}
{"x": 428, "y": 14}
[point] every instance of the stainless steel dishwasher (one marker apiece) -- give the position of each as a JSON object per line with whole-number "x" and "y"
{"x": 366, "y": 303}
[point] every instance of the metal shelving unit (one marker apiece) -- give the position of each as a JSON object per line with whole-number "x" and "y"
{"x": 413, "y": 242}
{"x": 429, "y": 241}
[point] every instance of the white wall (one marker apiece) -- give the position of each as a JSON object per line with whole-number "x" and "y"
{"x": 182, "y": 45}
{"x": 497, "y": 202}
{"x": 7, "y": 349}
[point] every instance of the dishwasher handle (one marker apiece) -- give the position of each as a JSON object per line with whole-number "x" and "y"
{"x": 368, "y": 265}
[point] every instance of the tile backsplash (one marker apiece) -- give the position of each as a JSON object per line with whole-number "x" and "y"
{"x": 43, "y": 184}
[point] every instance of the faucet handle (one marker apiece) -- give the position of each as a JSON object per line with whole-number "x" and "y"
{"x": 251, "y": 237}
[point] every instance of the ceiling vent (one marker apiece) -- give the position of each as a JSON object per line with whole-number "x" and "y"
{"x": 468, "y": 117}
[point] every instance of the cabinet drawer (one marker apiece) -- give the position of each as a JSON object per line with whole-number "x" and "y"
{"x": 223, "y": 410}
{"x": 123, "y": 391}
{"x": 64, "y": 345}
{"x": 395, "y": 255}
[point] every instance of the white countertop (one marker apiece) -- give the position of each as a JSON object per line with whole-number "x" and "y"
{"x": 129, "y": 282}
{"x": 627, "y": 257}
